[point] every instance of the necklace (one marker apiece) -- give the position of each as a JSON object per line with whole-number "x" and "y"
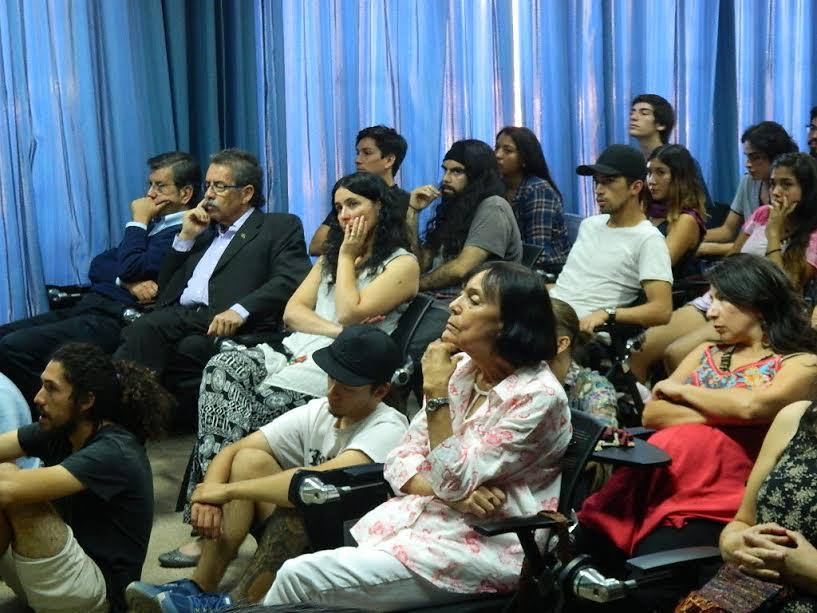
{"x": 481, "y": 392}
{"x": 726, "y": 358}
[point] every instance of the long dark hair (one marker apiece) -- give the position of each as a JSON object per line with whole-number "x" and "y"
{"x": 453, "y": 216}
{"x": 388, "y": 235}
{"x": 528, "y": 333}
{"x": 530, "y": 153}
{"x": 753, "y": 282}
{"x": 124, "y": 393}
{"x": 803, "y": 219}
{"x": 685, "y": 189}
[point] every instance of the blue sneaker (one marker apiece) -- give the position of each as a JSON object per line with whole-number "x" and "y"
{"x": 141, "y": 597}
{"x": 204, "y": 602}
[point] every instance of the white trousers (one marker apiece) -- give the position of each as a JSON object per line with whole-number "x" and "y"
{"x": 358, "y": 577}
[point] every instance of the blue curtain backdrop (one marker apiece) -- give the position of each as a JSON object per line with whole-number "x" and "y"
{"x": 90, "y": 88}
{"x": 449, "y": 69}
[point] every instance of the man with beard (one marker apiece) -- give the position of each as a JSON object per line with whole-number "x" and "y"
{"x": 812, "y": 133}
{"x": 74, "y": 533}
{"x": 472, "y": 224}
{"x": 617, "y": 253}
{"x": 246, "y": 489}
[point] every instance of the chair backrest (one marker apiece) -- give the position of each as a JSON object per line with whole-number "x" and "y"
{"x": 410, "y": 320}
{"x": 530, "y": 253}
{"x": 586, "y": 433}
{"x": 572, "y": 223}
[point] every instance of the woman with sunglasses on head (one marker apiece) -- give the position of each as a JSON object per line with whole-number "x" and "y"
{"x": 785, "y": 232}
{"x": 711, "y": 415}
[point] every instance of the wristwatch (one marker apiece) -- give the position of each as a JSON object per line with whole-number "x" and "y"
{"x": 611, "y": 314}
{"x": 435, "y": 403}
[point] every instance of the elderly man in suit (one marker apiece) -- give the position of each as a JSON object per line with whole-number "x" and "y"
{"x": 231, "y": 268}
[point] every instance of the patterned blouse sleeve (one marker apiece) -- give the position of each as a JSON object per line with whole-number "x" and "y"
{"x": 403, "y": 461}
{"x": 532, "y": 425}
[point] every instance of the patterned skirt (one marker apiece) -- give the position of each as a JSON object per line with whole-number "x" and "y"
{"x": 232, "y": 404}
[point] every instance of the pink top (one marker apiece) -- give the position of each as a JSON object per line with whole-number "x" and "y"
{"x": 707, "y": 476}
{"x": 514, "y": 441}
{"x": 755, "y": 227}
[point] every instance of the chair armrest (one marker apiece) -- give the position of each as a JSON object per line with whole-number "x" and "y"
{"x": 641, "y": 432}
{"x": 64, "y": 295}
{"x": 513, "y": 524}
{"x": 673, "y": 557}
{"x": 251, "y": 339}
{"x": 643, "y": 455}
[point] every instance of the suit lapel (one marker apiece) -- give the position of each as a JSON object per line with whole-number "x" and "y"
{"x": 245, "y": 234}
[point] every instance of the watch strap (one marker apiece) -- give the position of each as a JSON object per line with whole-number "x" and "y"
{"x": 435, "y": 403}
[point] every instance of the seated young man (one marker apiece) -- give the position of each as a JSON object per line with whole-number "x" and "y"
{"x": 762, "y": 143}
{"x": 651, "y": 121}
{"x": 75, "y": 533}
{"x": 380, "y": 151}
{"x": 122, "y": 276}
{"x": 617, "y": 253}
{"x": 247, "y": 484}
{"x": 472, "y": 224}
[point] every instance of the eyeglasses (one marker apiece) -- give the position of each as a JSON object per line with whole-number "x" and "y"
{"x": 218, "y": 187}
{"x": 160, "y": 188}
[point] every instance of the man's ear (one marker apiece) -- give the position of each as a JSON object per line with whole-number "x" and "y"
{"x": 562, "y": 344}
{"x": 86, "y": 404}
{"x": 390, "y": 160}
{"x": 187, "y": 194}
{"x": 636, "y": 186}
{"x": 381, "y": 391}
{"x": 247, "y": 192}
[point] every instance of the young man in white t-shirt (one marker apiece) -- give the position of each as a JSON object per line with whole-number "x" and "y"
{"x": 248, "y": 483}
{"x": 618, "y": 253}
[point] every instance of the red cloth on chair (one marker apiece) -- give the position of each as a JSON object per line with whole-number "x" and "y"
{"x": 706, "y": 480}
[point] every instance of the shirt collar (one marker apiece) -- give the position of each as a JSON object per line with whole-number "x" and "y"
{"x": 172, "y": 219}
{"x": 236, "y": 224}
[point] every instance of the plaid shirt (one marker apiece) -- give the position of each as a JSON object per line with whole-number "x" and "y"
{"x": 538, "y": 211}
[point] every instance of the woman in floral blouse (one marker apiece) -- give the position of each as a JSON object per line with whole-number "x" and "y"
{"x": 488, "y": 444}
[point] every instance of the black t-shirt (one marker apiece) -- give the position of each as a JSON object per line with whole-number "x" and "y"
{"x": 112, "y": 518}
{"x": 401, "y": 197}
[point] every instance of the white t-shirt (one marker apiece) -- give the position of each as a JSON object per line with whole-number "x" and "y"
{"x": 606, "y": 266}
{"x": 308, "y": 436}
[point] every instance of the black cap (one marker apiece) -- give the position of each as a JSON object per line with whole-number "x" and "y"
{"x": 617, "y": 161}
{"x": 360, "y": 355}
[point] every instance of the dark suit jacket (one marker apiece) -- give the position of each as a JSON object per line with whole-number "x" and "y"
{"x": 260, "y": 269}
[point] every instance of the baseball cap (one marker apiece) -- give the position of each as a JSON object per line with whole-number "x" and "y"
{"x": 617, "y": 161}
{"x": 360, "y": 355}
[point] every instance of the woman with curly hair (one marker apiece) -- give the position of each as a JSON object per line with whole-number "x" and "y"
{"x": 711, "y": 415}
{"x": 785, "y": 232}
{"x": 366, "y": 275}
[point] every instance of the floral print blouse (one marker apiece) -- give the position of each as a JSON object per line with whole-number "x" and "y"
{"x": 514, "y": 441}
